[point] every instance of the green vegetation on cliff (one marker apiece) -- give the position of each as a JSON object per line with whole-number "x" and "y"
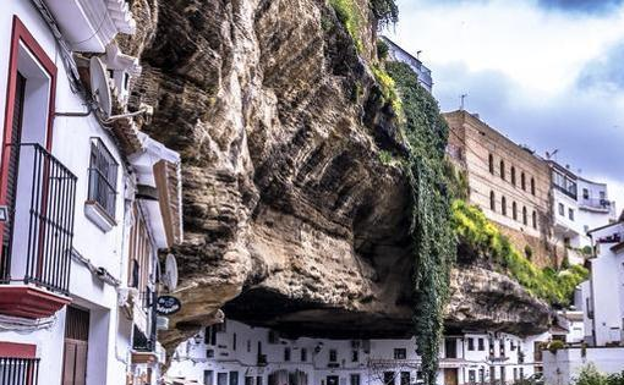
{"x": 385, "y": 12}
{"x": 441, "y": 220}
{"x": 388, "y": 90}
{"x": 348, "y": 14}
{"x": 433, "y": 240}
{"x": 483, "y": 239}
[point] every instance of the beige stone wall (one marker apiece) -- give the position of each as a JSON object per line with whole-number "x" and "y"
{"x": 543, "y": 253}
{"x": 471, "y": 142}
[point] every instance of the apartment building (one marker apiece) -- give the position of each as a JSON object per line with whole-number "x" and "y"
{"x": 578, "y": 206}
{"x": 507, "y": 181}
{"x": 601, "y": 300}
{"x": 234, "y": 353}
{"x": 86, "y": 201}
{"x": 397, "y": 53}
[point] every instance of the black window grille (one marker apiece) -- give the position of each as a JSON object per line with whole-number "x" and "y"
{"x": 102, "y": 177}
{"x": 19, "y": 371}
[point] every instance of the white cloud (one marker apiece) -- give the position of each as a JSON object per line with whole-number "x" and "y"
{"x": 520, "y": 65}
{"x": 538, "y": 48}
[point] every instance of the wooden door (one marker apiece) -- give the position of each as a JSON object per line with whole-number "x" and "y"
{"x": 76, "y": 346}
{"x": 450, "y": 377}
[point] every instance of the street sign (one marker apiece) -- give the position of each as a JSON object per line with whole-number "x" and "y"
{"x": 168, "y": 305}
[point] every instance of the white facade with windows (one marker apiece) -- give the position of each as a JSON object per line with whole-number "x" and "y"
{"x": 579, "y": 205}
{"x": 234, "y": 353}
{"x": 396, "y": 53}
{"x": 70, "y": 311}
{"x": 606, "y": 299}
{"x": 601, "y": 300}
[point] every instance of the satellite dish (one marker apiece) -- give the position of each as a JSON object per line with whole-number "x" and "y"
{"x": 170, "y": 279}
{"x": 99, "y": 86}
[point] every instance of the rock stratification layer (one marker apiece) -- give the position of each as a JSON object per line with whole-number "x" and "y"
{"x": 483, "y": 299}
{"x": 286, "y": 199}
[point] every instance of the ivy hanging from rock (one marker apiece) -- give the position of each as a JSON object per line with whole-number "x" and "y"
{"x": 386, "y": 11}
{"x": 433, "y": 240}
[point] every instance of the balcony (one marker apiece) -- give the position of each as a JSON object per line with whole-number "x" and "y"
{"x": 569, "y": 190}
{"x": 145, "y": 335}
{"x": 596, "y": 204}
{"x": 36, "y": 238}
{"x": 19, "y": 371}
{"x": 612, "y": 238}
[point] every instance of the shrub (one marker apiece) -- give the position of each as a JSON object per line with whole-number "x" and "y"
{"x": 587, "y": 250}
{"x": 478, "y": 235}
{"x": 385, "y": 157}
{"x": 382, "y": 50}
{"x": 386, "y": 11}
{"x": 616, "y": 378}
{"x": 347, "y": 13}
{"x": 589, "y": 375}
{"x": 565, "y": 263}
{"x": 457, "y": 179}
{"x": 388, "y": 89}
{"x": 555, "y": 345}
{"x": 528, "y": 251}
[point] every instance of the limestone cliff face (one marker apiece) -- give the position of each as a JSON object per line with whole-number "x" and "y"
{"x": 483, "y": 299}
{"x": 291, "y": 219}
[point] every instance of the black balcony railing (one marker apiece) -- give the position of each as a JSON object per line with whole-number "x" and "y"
{"x": 37, "y": 237}
{"x": 141, "y": 341}
{"x": 19, "y": 371}
{"x": 596, "y": 203}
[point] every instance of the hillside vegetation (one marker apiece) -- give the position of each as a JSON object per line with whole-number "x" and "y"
{"x": 479, "y": 236}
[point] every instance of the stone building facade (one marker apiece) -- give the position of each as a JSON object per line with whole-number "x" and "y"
{"x": 507, "y": 181}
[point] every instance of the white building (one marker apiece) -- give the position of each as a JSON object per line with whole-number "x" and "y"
{"x": 578, "y": 206}
{"x": 85, "y": 204}
{"x": 602, "y": 301}
{"x": 396, "y": 53}
{"x": 562, "y": 367}
{"x": 233, "y": 353}
{"x": 606, "y": 300}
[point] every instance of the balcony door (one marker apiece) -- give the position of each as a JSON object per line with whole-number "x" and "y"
{"x": 76, "y": 346}
{"x": 11, "y": 175}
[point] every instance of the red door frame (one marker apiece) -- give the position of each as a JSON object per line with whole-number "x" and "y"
{"x": 21, "y": 34}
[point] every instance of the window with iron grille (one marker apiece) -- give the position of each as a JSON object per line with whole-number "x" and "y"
{"x": 102, "y": 177}
{"x": 19, "y": 371}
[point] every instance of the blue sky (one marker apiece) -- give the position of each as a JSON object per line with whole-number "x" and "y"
{"x": 547, "y": 73}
